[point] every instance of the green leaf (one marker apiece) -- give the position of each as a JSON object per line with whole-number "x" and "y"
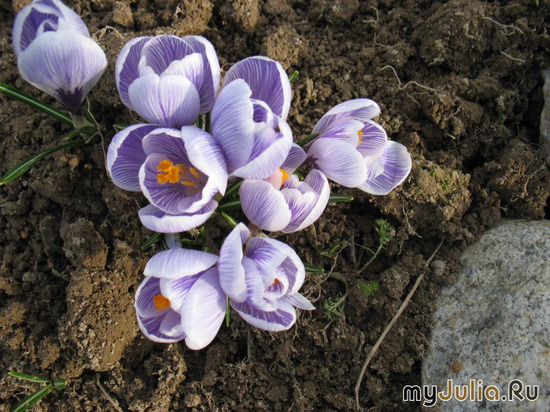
{"x": 232, "y": 205}
{"x": 25, "y": 165}
{"x": 336, "y": 198}
{"x": 27, "y": 377}
{"x": 232, "y": 222}
{"x": 307, "y": 139}
{"x": 227, "y": 315}
{"x": 119, "y": 126}
{"x": 234, "y": 188}
{"x": 33, "y": 398}
{"x": 293, "y": 76}
{"x": 59, "y": 384}
{"x": 154, "y": 238}
{"x": 313, "y": 269}
{"x": 12, "y": 92}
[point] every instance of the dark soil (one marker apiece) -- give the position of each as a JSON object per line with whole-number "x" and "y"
{"x": 459, "y": 83}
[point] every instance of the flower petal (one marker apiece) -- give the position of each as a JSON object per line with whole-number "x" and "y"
{"x": 147, "y": 290}
{"x": 168, "y": 100}
{"x": 168, "y": 142}
{"x": 175, "y": 289}
{"x": 63, "y": 64}
{"x": 125, "y": 156}
{"x": 230, "y": 268}
{"x": 232, "y": 124}
{"x": 171, "y": 325}
{"x": 360, "y": 109}
{"x": 156, "y": 220}
{"x": 339, "y": 160}
{"x": 263, "y": 205}
{"x": 211, "y": 75}
{"x": 178, "y": 263}
{"x": 374, "y": 140}
{"x": 151, "y": 328}
{"x": 206, "y": 155}
{"x": 302, "y": 218}
{"x": 267, "y": 80}
{"x": 41, "y": 16}
{"x": 268, "y": 254}
{"x": 271, "y": 159}
{"x": 203, "y": 311}
{"x": 281, "y": 319}
{"x": 299, "y": 301}
{"x": 296, "y": 156}
{"x": 127, "y": 67}
{"x": 397, "y": 164}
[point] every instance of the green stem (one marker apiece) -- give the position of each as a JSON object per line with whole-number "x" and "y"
{"x": 307, "y": 139}
{"x": 234, "y": 188}
{"x": 232, "y": 205}
{"x": 37, "y": 104}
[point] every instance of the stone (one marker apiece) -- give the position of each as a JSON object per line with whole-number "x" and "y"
{"x": 492, "y": 324}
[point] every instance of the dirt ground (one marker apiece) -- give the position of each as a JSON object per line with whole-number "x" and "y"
{"x": 459, "y": 83}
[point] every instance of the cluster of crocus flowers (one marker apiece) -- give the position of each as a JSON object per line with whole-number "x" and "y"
{"x": 184, "y": 170}
{"x": 55, "y": 52}
{"x": 200, "y": 135}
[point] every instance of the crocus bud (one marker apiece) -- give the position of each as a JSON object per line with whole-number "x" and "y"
{"x": 168, "y": 80}
{"x": 55, "y": 52}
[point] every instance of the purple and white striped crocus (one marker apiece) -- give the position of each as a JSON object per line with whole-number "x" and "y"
{"x": 282, "y": 202}
{"x": 249, "y": 118}
{"x": 55, "y": 52}
{"x": 178, "y": 171}
{"x": 181, "y": 298}
{"x": 354, "y": 151}
{"x": 262, "y": 282}
{"x": 168, "y": 80}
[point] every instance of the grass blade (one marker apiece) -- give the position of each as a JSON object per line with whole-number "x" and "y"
{"x": 336, "y": 198}
{"x": 232, "y": 205}
{"x": 37, "y": 104}
{"x": 313, "y": 269}
{"x": 25, "y": 165}
{"x": 33, "y": 398}
{"x": 27, "y": 377}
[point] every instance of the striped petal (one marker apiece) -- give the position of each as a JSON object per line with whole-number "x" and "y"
{"x": 397, "y": 164}
{"x": 178, "y": 263}
{"x": 339, "y": 161}
{"x": 168, "y": 100}
{"x": 232, "y": 124}
{"x": 263, "y": 205}
{"x": 125, "y": 156}
{"x": 158, "y": 221}
{"x": 127, "y": 67}
{"x": 274, "y": 321}
{"x": 230, "y": 268}
{"x": 203, "y": 311}
{"x": 65, "y": 65}
{"x": 359, "y": 109}
{"x": 267, "y": 80}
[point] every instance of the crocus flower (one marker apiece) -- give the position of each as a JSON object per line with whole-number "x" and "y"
{"x": 168, "y": 80}
{"x": 282, "y": 202}
{"x": 55, "y": 52}
{"x": 178, "y": 171}
{"x": 181, "y": 298}
{"x": 263, "y": 282}
{"x": 249, "y": 118}
{"x": 354, "y": 151}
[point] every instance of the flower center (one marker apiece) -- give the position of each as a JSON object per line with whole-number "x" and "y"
{"x": 284, "y": 176}
{"x": 360, "y": 135}
{"x": 171, "y": 173}
{"x": 161, "y": 302}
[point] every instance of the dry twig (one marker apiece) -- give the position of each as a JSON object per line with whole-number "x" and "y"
{"x": 390, "y": 325}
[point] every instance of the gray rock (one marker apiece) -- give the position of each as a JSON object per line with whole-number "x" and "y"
{"x": 493, "y": 323}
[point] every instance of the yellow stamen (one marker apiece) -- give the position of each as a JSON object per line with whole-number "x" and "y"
{"x": 360, "y": 135}
{"x": 194, "y": 172}
{"x": 276, "y": 282}
{"x": 169, "y": 172}
{"x": 284, "y": 176}
{"x": 188, "y": 183}
{"x": 161, "y": 302}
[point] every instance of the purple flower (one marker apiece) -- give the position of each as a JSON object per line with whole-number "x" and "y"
{"x": 263, "y": 282}
{"x": 282, "y": 202}
{"x": 354, "y": 151}
{"x": 181, "y": 298}
{"x": 168, "y": 80}
{"x": 55, "y": 52}
{"x": 178, "y": 171}
{"x": 248, "y": 118}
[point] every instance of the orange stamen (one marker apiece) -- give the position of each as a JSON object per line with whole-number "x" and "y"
{"x": 169, "y": 172}
{"x": 276, "y": 282}
{"x": 360, "y": 135}
{"x": 161, "y": 302}
{"x": 284, "y": 176}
